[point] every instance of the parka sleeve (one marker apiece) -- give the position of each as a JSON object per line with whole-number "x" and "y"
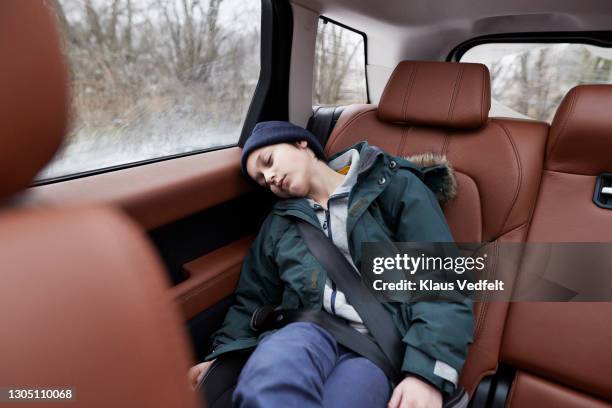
{"x": 259, "y": 284}
{"x": 439, "y": 333}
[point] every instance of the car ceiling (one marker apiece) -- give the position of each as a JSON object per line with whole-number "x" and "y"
{"x": 429, "y": 29}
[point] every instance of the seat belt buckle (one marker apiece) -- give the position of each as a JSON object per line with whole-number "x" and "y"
{"x": 259, "y": 317}
{"x": 602, "y": 197}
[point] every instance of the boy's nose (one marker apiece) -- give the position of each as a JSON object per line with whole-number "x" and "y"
{"x": 270, "y": 177}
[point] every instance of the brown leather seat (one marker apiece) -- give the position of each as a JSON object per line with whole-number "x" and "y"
{"x": 83, "y": 301}
{"x": 562, "y": 350}
{"x": 443, "y": 107}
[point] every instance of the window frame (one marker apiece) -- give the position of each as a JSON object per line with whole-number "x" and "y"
{"x": 597, "y": 38}
{"x": 267, "y": 100}
{"x": 601, "y": 39}
{"x": 365, "y": 49}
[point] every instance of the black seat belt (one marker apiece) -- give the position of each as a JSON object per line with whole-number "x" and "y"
{"x": 374, "y": 316}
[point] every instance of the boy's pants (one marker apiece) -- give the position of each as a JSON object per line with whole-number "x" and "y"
{"x": 301, "y": 365}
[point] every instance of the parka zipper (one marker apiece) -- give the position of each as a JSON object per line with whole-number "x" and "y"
{"x": 329, "y": 235}
{"x": 328, "y": 229}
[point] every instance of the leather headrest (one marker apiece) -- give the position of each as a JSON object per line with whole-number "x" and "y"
{"x": 428, "y": 93}
{"x": 580, "y": 138}
{"x": 85, "y": 305}
{"x": 33, "y": 91}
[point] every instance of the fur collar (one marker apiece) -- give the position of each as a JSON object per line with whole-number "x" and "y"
{"x": 446, "y": 185}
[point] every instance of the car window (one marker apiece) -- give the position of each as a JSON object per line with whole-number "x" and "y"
{"x": 528, "y": 80}
{"x": 153, "y": 78}
{"x": 339, "y": 76}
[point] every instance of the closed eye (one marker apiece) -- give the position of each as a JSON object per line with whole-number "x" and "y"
{"x": 267, "y": 162}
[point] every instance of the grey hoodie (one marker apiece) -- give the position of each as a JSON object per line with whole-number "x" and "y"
{"x": 333, "y": 222}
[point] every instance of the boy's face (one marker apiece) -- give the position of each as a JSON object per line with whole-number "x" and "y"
{"x": 284, "y": 168}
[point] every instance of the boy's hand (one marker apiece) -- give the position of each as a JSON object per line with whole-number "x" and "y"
{"x": 196, "y": 372}
{"x": 415, "y": 393}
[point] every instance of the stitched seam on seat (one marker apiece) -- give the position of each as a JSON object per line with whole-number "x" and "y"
{"x": 565, "y": 120}
{"x": 570, "y": 173}
{"x": 406, "y": 92}
{"x": 491, "y": 277}
{"x": 407, "y": 96}
{"x": 480, "y": 206}
{"x": 482, "y": 93}
{"x": 409, "y": 130}
{"x": 400, "y": 145}
{"x": 501, "y": 234}
{"x": 456, "y": 89}
{"x": 512, "y": 390}
{"x": 482, "y": 96}
{"x": 446, "y": 143}
{"x": 485, "y": 305}
{"x": 520, "y": 169}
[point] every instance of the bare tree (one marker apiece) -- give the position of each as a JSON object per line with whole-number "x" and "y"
{"x": 63, "y": 24}
{"x": 332, "y": 63}
{"x": 194, "y": 37}
{"x": 154, "y": 77}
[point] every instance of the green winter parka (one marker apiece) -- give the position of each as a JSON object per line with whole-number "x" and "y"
{"x": 388, "y": 203}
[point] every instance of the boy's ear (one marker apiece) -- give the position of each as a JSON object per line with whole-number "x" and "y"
{"x": 301, "y": 144}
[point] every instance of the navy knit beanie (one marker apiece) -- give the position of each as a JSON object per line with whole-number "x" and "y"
{"x": 273, "y": 132}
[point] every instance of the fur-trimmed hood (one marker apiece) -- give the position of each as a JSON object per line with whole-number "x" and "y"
{"x": 438, "y": 174}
